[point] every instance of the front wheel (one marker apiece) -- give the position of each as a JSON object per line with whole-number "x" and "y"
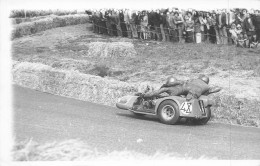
{"x": 168, "y": 112}
{"x": 203, "y": 121}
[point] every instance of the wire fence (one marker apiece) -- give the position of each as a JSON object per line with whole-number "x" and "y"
{"x": 176, "y": 33}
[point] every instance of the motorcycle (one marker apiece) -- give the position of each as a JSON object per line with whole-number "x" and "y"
{"x": 169, "y": 109}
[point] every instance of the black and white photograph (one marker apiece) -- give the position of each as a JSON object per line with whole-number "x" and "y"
{"x": 154, "y": 82}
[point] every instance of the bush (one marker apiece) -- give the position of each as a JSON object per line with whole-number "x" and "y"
{"x": 37, "y": 13}
{"x": 237, "y": 111}
{"x": 29, "y": 28}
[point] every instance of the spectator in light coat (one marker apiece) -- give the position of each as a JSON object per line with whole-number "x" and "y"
{"x": 127, "y": 16}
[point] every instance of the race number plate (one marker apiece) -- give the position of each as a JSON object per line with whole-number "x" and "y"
{"x": 186, "y": 107}
{"x": 202, "y": 108}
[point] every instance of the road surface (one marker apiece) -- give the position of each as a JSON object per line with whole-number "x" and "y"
{"x": 46, "y": 118}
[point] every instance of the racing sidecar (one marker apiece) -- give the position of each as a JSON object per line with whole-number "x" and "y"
{"x": 169, "y": 109}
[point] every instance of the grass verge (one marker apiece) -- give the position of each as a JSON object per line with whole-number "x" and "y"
{"x": 77, "y": 150}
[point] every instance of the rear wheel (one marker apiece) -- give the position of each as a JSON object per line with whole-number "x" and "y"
{"x": 168, "y": 112}
{"x": 204, "y": 120}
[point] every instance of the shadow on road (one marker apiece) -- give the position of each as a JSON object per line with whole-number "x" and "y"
{"x": 182, "y": 121}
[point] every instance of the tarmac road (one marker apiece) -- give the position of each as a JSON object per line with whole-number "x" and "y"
{"x": 46, "y": 118}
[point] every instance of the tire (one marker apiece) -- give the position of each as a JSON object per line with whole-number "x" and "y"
{"x": 204, "y": 120}
{"x": 168, "y": 112}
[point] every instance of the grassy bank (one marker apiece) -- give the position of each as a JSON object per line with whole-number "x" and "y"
{"x": 69, "y": 83}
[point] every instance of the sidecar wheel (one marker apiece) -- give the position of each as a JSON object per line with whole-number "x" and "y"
{"x": 168, "y": 112}
{"x": 204, "y": 120}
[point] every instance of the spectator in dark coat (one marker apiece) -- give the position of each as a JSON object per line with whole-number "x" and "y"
{"x": 248, "y": 26}
{"x": 256, "y": 23}
{"x": 157, "y": 22}
{"x": 122, "y": 23}
{"x": 133, "y": 24}
{"x": 163, "y": 27}
{"x": 222, "y": 25}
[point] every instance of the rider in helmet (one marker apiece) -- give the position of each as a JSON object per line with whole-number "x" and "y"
{"x": 193, "y": 88}
{"x": 204, "y": 78}
{"x": 172, "y": 81}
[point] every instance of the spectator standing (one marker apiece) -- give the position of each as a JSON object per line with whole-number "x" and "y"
{"x": 203, "y": 28}
{"x": 178, "y": 20}
{"x": 256, "y": 23}
{"x": 163, "y": 28}
{"x": 248, "y": 26}
{"x": 211, "y": 24}
{"x": 108, "y": 22}
{"x": 127, "y": 22}
{"x": 157, "y": 22}
{"x": 188, "y": 29}
{"x": 122, "y": 23}
{"x": 95, "y": 22}
{"x": 138, "y": 23}
{"x": 113, "y": 19}
{"x": 166, "y": 25}
{"x": 197, "y": 31}
{"x": 103, "y": 22}
{"x": 242, "y": 16}
{"x": 172, "y": 26}
{"x": 118, "y": 26}
{"x": 132, "y": 20}
{"x": 222, "y": 27}
{"x": 144, "y": 25}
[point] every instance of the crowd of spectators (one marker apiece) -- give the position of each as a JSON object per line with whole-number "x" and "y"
{"x": 237, "y": 26}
